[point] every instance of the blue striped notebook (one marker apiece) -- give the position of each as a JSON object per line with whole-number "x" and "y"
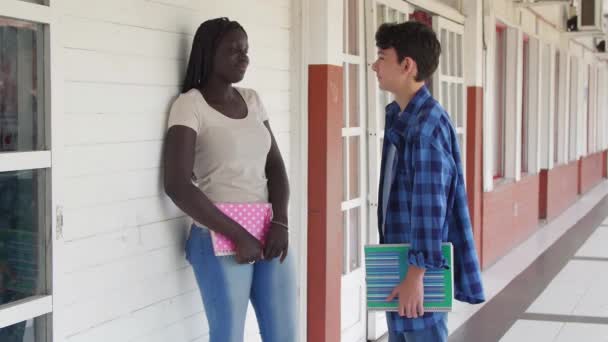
{"x": 386, "y": 266}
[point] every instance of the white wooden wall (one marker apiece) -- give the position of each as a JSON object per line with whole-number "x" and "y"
{"x": 123, "y": 273}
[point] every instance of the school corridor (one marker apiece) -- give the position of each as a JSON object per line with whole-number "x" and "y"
{"x": 92, "y": 248}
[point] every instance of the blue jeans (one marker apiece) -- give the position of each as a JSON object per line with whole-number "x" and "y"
{"x": 436, "y": 333}
{"x": 226, "y": 288}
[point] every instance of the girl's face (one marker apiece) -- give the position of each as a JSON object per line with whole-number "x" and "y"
{"x": 231, "y": 61}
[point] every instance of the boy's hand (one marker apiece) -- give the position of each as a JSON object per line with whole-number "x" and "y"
{"x": 410, "y": 293}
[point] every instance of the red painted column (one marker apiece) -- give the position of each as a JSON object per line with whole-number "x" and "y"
{"x": 474, "y": 162}
{"x": 325, "y": 182}
{"x": 580, "y": 175}
{"x": 605, "y": 164}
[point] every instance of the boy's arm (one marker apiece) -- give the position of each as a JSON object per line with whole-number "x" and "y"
{"x": 430, "y": 188}
{"x": 429, "y": 202}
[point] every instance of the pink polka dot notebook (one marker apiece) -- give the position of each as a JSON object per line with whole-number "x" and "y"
{"x": 254, "y": 217}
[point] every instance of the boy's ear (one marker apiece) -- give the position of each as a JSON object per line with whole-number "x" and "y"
{"x": 405, "y": 65}
{"x": 410, "y": 66}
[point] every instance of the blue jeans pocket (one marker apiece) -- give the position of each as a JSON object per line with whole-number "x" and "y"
{"x": 198, "y": 245}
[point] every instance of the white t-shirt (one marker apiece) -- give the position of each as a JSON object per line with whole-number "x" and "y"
{"x": 230, "y": 154}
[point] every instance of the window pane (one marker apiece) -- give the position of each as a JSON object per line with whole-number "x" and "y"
{"x": 429, "y": 85}
{"x": 345, "y": 27}
{"x": 345, "y": 168}
{"x": 391, "y": 15}
{"x": 23, "y": 254}
{"x": 460, "y": 109}
{"x": 345, "y": 102}
{"x": 499, "y": 102}
{"x": 353, "y": 95}
{"x": 445, "y": 53}
{"x": 384, "y": 101}
{"x": 354, "y": 227}
{"x": 345, "y": 260}
{"x": 452, "y": 55}
{"x": 453, "y": 102}
{"x": 21, "y": 87}
{"x": 353, "y": 167}
{"x": 589, "y": 112}
{"x": 380, "y": 14}
{"x": 459, "y": 55}
{"x": 33, "y": 330}
{"x": 461, "y": 146}
{"x": 353, "y": 27}
{"x": 445, "y": 97}
{"x": 524, "y": 102}
{"x": 556, "y": 118}
{"x": 573, "y": 108}
{"x": 587, "y": 12}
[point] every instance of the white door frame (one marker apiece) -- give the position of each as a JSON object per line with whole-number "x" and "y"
{"x": 392, "y": 10}
{"x": 299, "y": 161}
{"x": 32, "y": 307}
{"x": 353, "y": 310}
{"x": 452, "y": 74}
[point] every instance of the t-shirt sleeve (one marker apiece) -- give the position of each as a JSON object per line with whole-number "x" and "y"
{"x": 261, "y": 110}
{"x": 184, "y": 113}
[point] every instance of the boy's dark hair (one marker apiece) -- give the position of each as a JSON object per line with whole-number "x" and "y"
{"x": 412, "y": 39}
{"x": 204, "y": 45}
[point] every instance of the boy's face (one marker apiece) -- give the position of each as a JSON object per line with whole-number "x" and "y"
{"x": 391, "y": 74}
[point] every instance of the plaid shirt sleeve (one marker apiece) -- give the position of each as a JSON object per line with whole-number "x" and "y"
{"x": 430, "y": 189}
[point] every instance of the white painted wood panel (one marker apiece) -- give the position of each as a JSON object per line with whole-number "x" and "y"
{"x": 127, "y": 99}
{"x": 129, "y": 326}
{"x": 108, "y": 158}
{"x": 121, "y": 302}
{"x": 123, "y": 244}
{"x": 125, "y": 69}
{"x": 124, "y": 273}
{"x": 99, "y": 189}
{"x": 133, "y": 271}
{"x": 190, "y": 328}
{"x": 156, "y": 15}
{"x": 85, "y": 222}
{"x": 103, "y": 98}
{"x": 118, "y": 39}
{"x": 124, "y": 128}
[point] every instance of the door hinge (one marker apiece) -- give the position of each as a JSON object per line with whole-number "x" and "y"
{"x": 59, "y": 225}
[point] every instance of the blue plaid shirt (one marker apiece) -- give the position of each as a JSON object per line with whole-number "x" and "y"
{"x": 427, "y": 203}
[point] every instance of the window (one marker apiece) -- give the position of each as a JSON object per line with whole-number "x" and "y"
{"x": 573, "y": 112}
{"x": 22, "y": 192}
{"x": 588, "y": 113}
{"x": 499, "y": 100}
{"x": 21, "y": 87}
{"x": 525, "y": 103}
{"x": 601, "y": 108}
{"x": 448, "y": 81}
{"x": 353, "y": 205}
{"x": 546, "y": 107}
{"x": 556, "y": 118}
{"x": 25, "y": 178}
{"x": 592, "y": 111}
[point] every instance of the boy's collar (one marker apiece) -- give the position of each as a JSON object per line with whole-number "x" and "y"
{"x": 403, "y": 119}
{"x": 413, "y": 106}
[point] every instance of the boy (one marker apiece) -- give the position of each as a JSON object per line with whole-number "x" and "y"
{"x": 422, "y": 200}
